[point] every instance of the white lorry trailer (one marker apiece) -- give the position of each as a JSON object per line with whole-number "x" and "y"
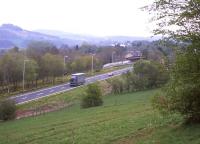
{"x": 77, "y": 79}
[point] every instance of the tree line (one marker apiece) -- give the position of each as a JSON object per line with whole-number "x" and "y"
{"x": 146, "y": 74}
{"x": 43, "y": 63}
{"x": 46, "y": 64}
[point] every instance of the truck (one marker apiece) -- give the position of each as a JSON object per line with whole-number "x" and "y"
{"x": 77, "y": 79}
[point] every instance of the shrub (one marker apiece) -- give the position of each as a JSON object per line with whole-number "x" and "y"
{"x": 134, "y": 82}
{"x": 92, "y": 97}
{"x": 7, "y": 110}
{"x": 153, "y": 73}
{"x": 160, "y": 102}
{"x": 182, "y": 94}
{"x": 146, "y": 75}
{"x": 117, "y": 85}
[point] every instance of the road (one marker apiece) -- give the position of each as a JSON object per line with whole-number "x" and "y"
{"x": 30, "y": 96}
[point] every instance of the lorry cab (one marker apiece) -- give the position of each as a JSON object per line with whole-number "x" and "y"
{"x": 77, "y": 79}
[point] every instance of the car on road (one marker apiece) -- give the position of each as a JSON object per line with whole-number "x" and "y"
{"x": 110, "y": 74}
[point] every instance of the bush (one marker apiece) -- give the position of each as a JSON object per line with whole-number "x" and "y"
{"x": 92, "y": 97}
{"x": 160, "y": 102}
{"x": 146, "y": 75}
{"x": 133, "y": 82}
{"x": 153, "y": 73}
{"x": 7, "y": 110}
{"x": 117, "y": 85}
{"x": 182, "y": 94}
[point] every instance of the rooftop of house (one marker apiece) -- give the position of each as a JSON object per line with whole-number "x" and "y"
{"x": 135, "y": 53}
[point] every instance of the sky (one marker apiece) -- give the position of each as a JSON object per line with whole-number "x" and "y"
{"x": 91, "y": 17}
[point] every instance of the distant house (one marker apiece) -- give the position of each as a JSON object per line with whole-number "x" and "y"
{"x": 134, "y": 55}
{"x": 118, "y": 45}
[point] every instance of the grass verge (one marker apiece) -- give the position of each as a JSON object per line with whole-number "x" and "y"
{"x": 123, "y": 119}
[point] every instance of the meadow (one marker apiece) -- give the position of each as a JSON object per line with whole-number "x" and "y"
{"x": 123, "y": 119}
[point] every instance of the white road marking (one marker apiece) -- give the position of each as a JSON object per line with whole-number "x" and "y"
{"x": 95, "y": 78}
{"x": 40, "y": 93}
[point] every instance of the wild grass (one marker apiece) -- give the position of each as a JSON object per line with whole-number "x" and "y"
{"x": 124, "y": 119}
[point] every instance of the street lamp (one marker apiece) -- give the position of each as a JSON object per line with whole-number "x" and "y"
{"x": 64, "y": 65}
{"x": 24, "y": 69}
{"x": 92, "y": 69}
{"x": 113, "y": 56}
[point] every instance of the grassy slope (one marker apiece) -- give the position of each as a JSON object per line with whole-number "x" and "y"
{"x": 67, "y": 97}
{"x": 126, "y": 118}
{"x": 71, "y": 96}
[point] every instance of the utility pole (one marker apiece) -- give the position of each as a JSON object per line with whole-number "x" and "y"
{"x": 113, "y": 56}
{"x": 92, "y": 68}
{"x": 24, "y": 70}
{"x": 64, "y": 65}
{"x": 92, "y": 64}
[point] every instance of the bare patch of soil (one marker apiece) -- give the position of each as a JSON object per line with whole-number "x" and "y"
{"x": 41, "y": 110}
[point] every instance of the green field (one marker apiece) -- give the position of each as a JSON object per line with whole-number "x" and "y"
{"x": 123, "y": 119}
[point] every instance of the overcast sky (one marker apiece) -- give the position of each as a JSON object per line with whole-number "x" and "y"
{"x": 94, "y": 17}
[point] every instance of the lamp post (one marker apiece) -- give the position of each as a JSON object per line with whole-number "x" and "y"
{"x": 24, "y": 70}
{"x": 92, "y": 68}
{"x": 64, "y": 67}
{"x": 113, "y": 56}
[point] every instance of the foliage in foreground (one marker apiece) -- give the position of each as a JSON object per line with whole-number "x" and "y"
{"x": 182, "y": 92}
{"x": 180, "y": 20}
{"x": 93, "y": 96}
{"x": 7, "y": 110}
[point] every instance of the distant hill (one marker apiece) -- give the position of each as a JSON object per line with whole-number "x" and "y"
{"x": 11, "y": 35}
{"x": 78, "y": 37}
{"x": 96, "y": 40}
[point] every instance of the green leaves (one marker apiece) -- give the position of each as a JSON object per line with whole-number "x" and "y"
{"x": 176, "y": 19}
{"x": 11, "y": 67}
{"x": 92, "y": 97}
{"x": 52, "y": 65}
{"x": 183, "y": 23}
{"x": 7, "y": 110}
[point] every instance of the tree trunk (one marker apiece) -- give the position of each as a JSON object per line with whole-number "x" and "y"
{"x": 36, "y": 83}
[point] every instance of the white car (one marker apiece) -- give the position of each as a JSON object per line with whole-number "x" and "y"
{"x": 111, "y": 74}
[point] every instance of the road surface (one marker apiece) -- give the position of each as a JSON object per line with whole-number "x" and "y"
{"x": 30, "y": 96}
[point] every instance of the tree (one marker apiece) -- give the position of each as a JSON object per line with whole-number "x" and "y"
{"x": 145, "y": 75}
{"x": 7, "y": 110}
{"x": 37, "y": 49}
{"x": 31, "y": 71}
{"x": 152, "y": 72}
{"x": 83, "y": 63}
{"x": 92, "y": 97}
{"x": 105, "y": 54}
{"x": 177, "y": 19}
{"x": 183, "y": 91}
{"x": 87, "y": 48}
{"x": 117, "y": 85}
{"x": 52, "y": 66}
{"x": 11, "y": 66}
{"x": 180, "y": 20}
